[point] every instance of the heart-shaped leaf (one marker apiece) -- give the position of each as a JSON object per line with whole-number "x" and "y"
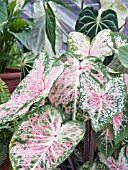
{"x": 80, "y": 44}
{"x": 33, "y": 88}
{"x": 42, "y": 141}
{"x": 90, "y": 22}
{"x": 116, "y": 6}
{"x": 120, "y": 164}
{"x": 102, "y": 102}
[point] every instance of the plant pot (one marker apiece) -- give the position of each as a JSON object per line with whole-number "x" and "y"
{"x": 11, "y": 77}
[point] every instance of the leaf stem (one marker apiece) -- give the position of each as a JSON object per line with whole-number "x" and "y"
{"x": 82, "y": 4}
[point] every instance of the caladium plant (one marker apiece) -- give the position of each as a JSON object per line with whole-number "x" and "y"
{"x": 51, "y": 104}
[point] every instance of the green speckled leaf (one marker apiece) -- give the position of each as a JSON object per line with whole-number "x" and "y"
{"x": 102, "y": 102}
{"x": 95, "y": 165}
{"x": 42, "y": 141}
{"x": 90, "y": 22}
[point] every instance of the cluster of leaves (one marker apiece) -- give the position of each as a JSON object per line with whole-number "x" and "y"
{"x": 53, "y": 102}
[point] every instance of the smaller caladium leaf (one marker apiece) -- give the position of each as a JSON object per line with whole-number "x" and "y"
{"x": 119, "y": 39}
{"x": 33, "y": 88}
{"x": 90, "y": 22}
{"x": 81, "y": 45}
{"x": 102, "y": 103}
{"x": 42, "y": 141}
{"x": 95, "y": 165}
{"x": 105, "y": 142}
{"x": 120, "y": 164}
{"x": 119, "y": 126}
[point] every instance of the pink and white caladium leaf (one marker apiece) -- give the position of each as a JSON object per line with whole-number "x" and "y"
{"x": 93, "y": 165}
{"x": 120, "y": 164}
{"x": 42, "y": 141}
{"x": 105, "y": 142}
{"x": 119, "y": 126}
{"x": 34, "y": 87}
{"x": 65, "y": 92}
{"x": 102, "y": 102}
{"x": 81, "y": 45}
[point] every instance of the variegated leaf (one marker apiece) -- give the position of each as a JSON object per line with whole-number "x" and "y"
{"x": 119, "y": 39}
{"x": 120, "y": 164}
{"x": 102, "y": 102}
{"x": 104, "y": 141}
{"x": 95, "y": 165}
{"x": 42, "y": 141}
{"x": 80, "y": 45}
{"x": 119, "y": 127}
{"x": 90, "y": 22}
{"x": 65, "y": 92}
{"x": 33, "y": 88}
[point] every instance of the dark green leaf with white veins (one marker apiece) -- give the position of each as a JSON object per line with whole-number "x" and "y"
{"x": 94, "y": 165}
{"x": 105, "y": 142}
{"x": 102, "y": 103}
{"x": 90, "y": 22}
{"x": 123, "y": 55}
{"x": 42, "y": 141}
{"x": 50, "y": 26}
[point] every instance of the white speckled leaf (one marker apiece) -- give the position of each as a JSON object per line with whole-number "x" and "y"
{"x": 42, "y": 141}
{"x": 102, "y": 102}
{"x": 80, "y": 45}
{"x": 34, "y": 87}
{"x": 120, "y": 164}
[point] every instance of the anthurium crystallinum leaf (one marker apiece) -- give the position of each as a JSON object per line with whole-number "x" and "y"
{"x": 120, "y": 164}
{"x": 33, "y": 88}
{"x": 42, "y": 141}
{"x": 102, "y": 103}
{"x": 90, "y": 22}
{"x": 81, "y": 45}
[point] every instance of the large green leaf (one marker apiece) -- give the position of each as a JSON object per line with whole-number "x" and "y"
{"x": 105, "y": 143}
{"x": 24, "y": 37}
{"x": 116, "y": 6}
{"x": 90, "y": 22}
{"x": 116, "y": 164}
{"x": 50, "y": 26}
{"x": 81, "y": 45}
{"x": 3, "y": 15}
{"x": 102, "y": 102}
{"x": 123, "y": 55}
{"x": 42, "y": 141}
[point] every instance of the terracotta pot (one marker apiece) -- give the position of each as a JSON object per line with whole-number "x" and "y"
{"x": 11, "y": 78}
